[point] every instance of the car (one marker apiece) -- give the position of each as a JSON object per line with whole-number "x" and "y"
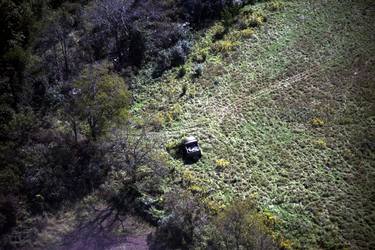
{"x": 190, "y": 149}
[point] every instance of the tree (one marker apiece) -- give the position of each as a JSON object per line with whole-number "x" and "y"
{"x": 115, "y": 19}
{"x": 131, "y": 150}
{"x": 13, "y": 84}
{"x": 240, "y": 226}
{"x": 129, "y": 29}
{"x": 98, "y": 98}
{"x": 55, "y": 44}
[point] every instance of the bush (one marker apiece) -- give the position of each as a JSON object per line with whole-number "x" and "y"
{"x": 183, "y": 226}
{"x": 224, "y": 46}
{"x": 197, "y": 71}
{"x": 61, "y": 173}
{"x": 136, "y": 182}
{"x": 218, "y": 31}
{"x": 275, "y": 5}
{"x": 240, "y": 226}
{"x": 200, "y": 56}
{"x": 158, "y": 121}
{"x": 172, "y": 57}
{"x": 252, "y": 20}
{"x": 196, "y": 189}
{"x": 320, "y": 143}
{"x": 188, "y": 225}
{"x": 179, "y": 53}
{"x": 174, "y": 113}
{"x": 173, "y": 148}
{"x": 246, "y": 10}
{"x": 181, "y": 72}
{"x": 198, "y": 11}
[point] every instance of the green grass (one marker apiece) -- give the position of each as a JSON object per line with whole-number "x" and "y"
{"x": 254, "y": 107}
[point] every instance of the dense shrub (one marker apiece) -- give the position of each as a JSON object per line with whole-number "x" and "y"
{"x": 218, "y": 31}
{"x": 240, "y": 226}
{"x": 61, "y": 172}
{"x": 182, "y": 228}
{"x": 198, "y": 11}
{"x": 137, "y": 48}
{"x": 8, "y": 213}
{"x": 252, "y": 20}
{"x": 189, "y": 225}
{"x": 172, "y": 57}
{"x": 15, "y": 130}
{"x": 197, "y": 70}
{"x": 135, "y": 183}
{"x": 57, "y": 44}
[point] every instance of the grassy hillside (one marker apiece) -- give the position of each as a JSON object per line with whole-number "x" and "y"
{"x": 285, "y": 116}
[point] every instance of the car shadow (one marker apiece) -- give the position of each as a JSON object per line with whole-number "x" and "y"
{"x": 190, "y": 161}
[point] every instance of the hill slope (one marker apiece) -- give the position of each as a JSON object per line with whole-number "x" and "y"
{"x": 291, "y": 114}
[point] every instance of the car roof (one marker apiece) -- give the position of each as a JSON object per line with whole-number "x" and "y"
{"x": 190, "y": 139}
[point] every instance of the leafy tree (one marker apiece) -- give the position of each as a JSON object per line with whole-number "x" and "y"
{"x": 98, "y": 98}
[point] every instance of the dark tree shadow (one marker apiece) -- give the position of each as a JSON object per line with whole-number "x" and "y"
{"x": 96, "y": 233}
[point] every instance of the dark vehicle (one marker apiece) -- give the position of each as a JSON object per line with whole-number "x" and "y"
{"x": 190, "y": 149}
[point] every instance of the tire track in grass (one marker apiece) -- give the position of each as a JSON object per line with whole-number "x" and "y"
{"x": 221, "y": 108}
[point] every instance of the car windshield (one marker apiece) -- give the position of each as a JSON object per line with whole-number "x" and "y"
{"x": 191, "y": 144}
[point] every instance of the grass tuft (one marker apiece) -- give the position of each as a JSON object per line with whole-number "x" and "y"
{"x": 224, "y": 46}
{"x": 317, "y": 122}
{"x": 222, "y": 163}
